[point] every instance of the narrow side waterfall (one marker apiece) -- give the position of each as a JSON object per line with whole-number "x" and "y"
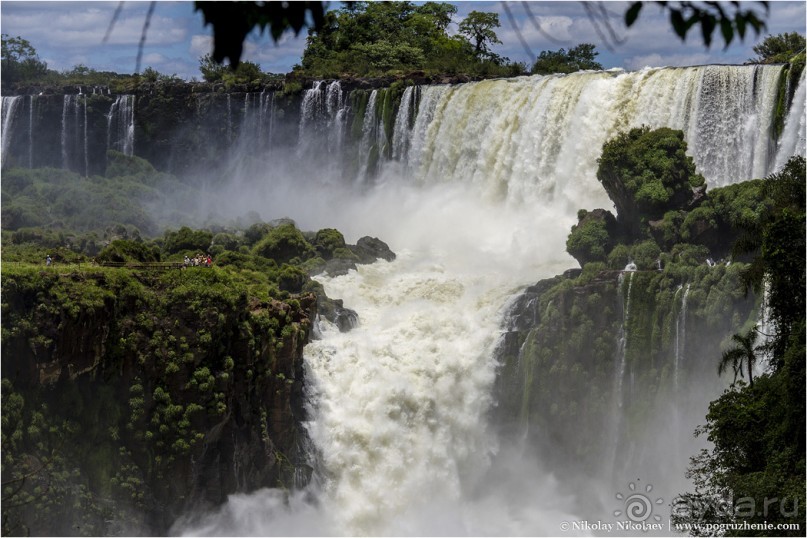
{"x": 86, "y": 146}
{"x": 794, "y": 141}
{"x": 120, "y": 125}
{"x": 31, "y": 101}
{"x": 10, "y": 105}
{"x": 65, "y": 134}
{"x": 622, "y": 345}
{"x": 680, "y": 337}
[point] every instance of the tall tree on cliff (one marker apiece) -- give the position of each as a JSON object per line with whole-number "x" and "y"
{"x": 478, "y": 28}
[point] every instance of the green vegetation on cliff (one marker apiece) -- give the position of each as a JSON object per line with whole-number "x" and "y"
{"x": 671, "y": 229}
{"x": 137, "y": 385}
{"x": 376, "y": 38}
{"x": 579, "y": 58}
{"x": 116, "y": 380}
{"x": 757, "y": 463}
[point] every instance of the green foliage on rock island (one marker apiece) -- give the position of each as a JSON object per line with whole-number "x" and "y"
{"x": 130, "y": 375}
{"x": 720, "y": 245}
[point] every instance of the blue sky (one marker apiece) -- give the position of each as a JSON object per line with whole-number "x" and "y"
{"x": 66, "y": 34}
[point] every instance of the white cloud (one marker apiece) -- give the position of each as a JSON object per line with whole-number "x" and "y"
{"x": 153, "y": 59}
{"x": 201, "y": 45}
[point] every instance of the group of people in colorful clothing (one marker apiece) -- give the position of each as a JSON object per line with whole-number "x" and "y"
{"x": 200, "y": 260}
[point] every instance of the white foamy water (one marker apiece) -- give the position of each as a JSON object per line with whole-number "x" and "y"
{"x": 477, "y": 203}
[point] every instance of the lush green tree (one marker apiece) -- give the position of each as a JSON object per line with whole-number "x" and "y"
{"x": 579, "y": 58}
{"x": 743, "y": 354}
{"x": 591, "y": 238}
{"x": 283, "y": 244}
{"x": 213, "y": 71}
{"x": 20, "y": 61}
{"x": 779, "y": 48}
{"x": 187, "y": 239}
{"x": 478, "y": 27}
{"x": 778, "y": 240}
{"x": 647, "y": 173}
{"x": 375, "y": 38}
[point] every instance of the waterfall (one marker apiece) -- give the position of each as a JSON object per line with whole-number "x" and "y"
{"x": 311, "y": 107}
{"x": 793, "y": 140}
{"x": 31, "y": 99}
{"x": 10, "y": 105}
{"x": 400, "y": 138}
{"x": 680, "y": 337}
{"x": 530, "y": 138}
{"x": 766, "y": 329}
{"x": 493, "y": 175}
{"x": 120, "y": 125}
{"x": 368, "y": 137}
{"x": 86, "y": 157}
{"x": 337, "y": 111}
{"x": 229, "y": 133}
{"x": 622, "y": 344}
{"x": 267, "y": 110}
{"x": 65, "y": 138}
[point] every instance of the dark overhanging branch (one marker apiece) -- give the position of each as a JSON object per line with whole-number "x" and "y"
{"x": 538, "y": 27}
{"x": 142, "y": 44}
{"x": 113, "y": 21}
{"x": 143, "y": 33}
{"x": 513, "y": 23}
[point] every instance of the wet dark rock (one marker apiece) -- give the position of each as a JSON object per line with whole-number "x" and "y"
{"x": 370, "y": 249}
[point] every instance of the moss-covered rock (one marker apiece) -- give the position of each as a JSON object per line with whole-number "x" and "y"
{"x": 145, "y": 395}
{"x": 592, "y": 238}
{"x": 567, "y": 340}
{"x": 647, "y": 173}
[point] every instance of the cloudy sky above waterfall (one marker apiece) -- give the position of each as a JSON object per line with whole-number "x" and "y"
{"x": 66, "y": 34}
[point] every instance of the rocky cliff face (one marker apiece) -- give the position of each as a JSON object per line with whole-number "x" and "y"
{"x": 132, "y": 398}
{"x": 592, "y": 362}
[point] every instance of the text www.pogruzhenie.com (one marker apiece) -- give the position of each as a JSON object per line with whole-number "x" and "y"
{"x": 710, "y": 528}
{"x": 707, "y": 529}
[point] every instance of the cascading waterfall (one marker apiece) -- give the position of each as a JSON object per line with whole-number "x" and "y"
{"x": 86, "y": 156}
{"x": 793, "y": 140}
{"x": 622, "y": 344}
{"x": 65, "y": 137}
{"x": 680, "y": 337}
{"x": 398, "y": 404}
{"x": 229, "y": 118}
{"x": 480, "y": 187}
{"x": 9, "y": 110}
{"x": 120, "y": 125}
{"x": 74, "y": 133}
{"x": 31, "y": 100}
{"x": 536, "y": 137}
{"x": 766, "y": 330}
{"x": 368, "y": 136}
{"x": 310, "y": 109}
{"x": 337, "y": 110}
{"x": 401, "y": 136}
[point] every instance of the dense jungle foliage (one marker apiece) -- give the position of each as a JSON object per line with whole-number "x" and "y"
{"x": 127, "y": 356}
{"x": 664, "y": 217}
{"x": 375, "y": 38}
